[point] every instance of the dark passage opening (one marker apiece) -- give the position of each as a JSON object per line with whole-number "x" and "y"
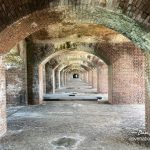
{"x": 76, "y": 76}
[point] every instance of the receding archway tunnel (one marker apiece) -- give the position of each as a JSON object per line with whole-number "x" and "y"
{"x": 75, "y": 75}
{"x": 44, "y": 44}
{"x": 62, "y": 80}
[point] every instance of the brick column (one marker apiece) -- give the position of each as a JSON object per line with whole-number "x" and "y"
{"x": 65, "y": 78}
{"x": 98, "y": 78}
{"x": 94, "y": 78}
{"x": 48, "y": 78}
{"x": 103, "y": 79}
{"x": 86, "y": 78}
{"x": 33, "y": 83}
{"x": 44, "y": 80}
{"x": 90, "y": 77}
{"x": 59, "y": 79}
{"x": 53, "y": 80}
{"x": 147, "y": 92}
{"x": 3, "y": 124}
{"x": 62, "y": 78}
{"x": 126, "y": 79}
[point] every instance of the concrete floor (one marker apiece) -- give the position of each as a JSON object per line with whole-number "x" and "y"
{"x": 76, "y": 89}
{"x": 76, "y": 125}
{"x": 80, "y": 125}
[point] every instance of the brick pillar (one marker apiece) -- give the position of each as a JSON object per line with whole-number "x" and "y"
{"x": 98, "y": 78}
{"x": 56, "y": 78}
{"x": 126, "y": 79}
{"x": 33, "y": 83}
{"x": 94, "y": 78}
{"x": 53, "y": 80}
{"x": 147, "y": 92}
{"x": 59, "y": 79}
{"x": 62, "y": 78}
{"x": 103, "y": 79}
{"x": 3, "y": 124}
{"x": 90, "y": 77}
{"x": 86, "y": 78}
{"x": 65, "y": 78}
{"x": 44, "y": 80}
{"x": 48, "y": 78}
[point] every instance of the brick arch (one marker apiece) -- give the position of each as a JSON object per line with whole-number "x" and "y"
{"x": 137, "y": 10}
{"x": 17, "y": 31}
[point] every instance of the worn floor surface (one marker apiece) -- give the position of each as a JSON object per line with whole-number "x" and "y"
{"x": 75, "y": 125}
{"x": 76, "y": 89}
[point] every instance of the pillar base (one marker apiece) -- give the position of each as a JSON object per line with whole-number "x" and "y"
{"x": 36, "y": 102}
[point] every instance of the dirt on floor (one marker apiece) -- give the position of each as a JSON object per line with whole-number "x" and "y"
{"x": 76, "y": 125}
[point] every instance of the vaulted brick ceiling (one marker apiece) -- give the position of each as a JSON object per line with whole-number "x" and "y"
{"x": 12, "y": 10}
{"x": 78, "y": 32}
{"x": 76, "y": 60}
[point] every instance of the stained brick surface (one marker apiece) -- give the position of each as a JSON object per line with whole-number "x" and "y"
{"x": 126, "y": 72}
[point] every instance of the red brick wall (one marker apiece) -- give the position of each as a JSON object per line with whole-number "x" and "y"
{"x": 90, "y": 77}
{"x": 15, "y": 86}
{"x": 94, "y": 75}
{"x": 126, "y": 72}
{"x": 103, "y": 79}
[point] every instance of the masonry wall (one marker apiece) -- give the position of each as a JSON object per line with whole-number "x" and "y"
{"x": 3, "y": 123}
{"x": 56, "y": 78}
{"x": 49, "y": 78}
{"x": 103, "y": 79}
{"x": 126, "y": 72}
{"x": 90, "y": 77}
{"x": 36, "y": 52}
{"x": 94, "y": 75}
{"x": 16, "y": 89}
{"x": 16, "y": 79}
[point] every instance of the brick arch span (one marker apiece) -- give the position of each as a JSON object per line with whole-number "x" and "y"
{"x": 17, "y": 31}
{"x": 137, "y": 10}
